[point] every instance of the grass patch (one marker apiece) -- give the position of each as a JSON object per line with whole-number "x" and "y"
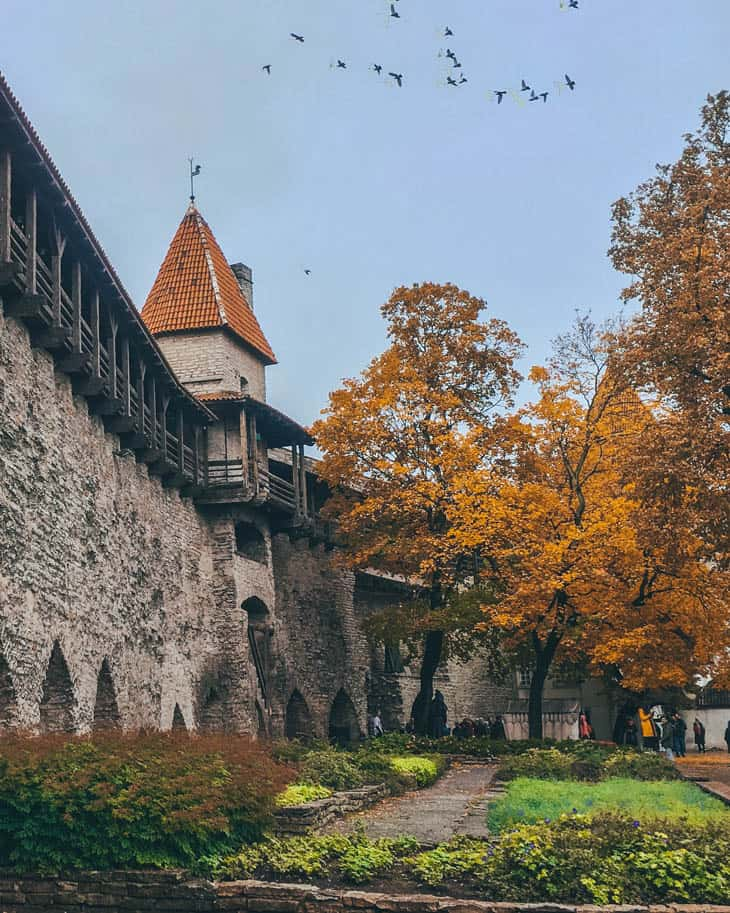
{"x": 528, "y": 801}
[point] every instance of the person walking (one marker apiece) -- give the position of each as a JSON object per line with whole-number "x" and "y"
{"x": 667, "y": 738}
{"x": 498, "y": 730}
{"x": 631, "y": 736}
{"x": 377, "y": 725}
{"x": 437, "y": 716}
{"x": 727, "y": 736}
{"x": 699, "y": 731}
{"x": 680, "y": 735}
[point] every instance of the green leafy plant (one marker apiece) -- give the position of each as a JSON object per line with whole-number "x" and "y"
{"x": 300, "y": 793}
{"x": 119, "y": 801}
{"x": 334, "y": 769}
{"x": 422, "y": 771}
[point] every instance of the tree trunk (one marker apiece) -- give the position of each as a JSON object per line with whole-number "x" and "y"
{"x": 544, "y": 655}
{"x": 433, "y": 644}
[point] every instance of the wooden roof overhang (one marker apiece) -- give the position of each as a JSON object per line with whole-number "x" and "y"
{"x": 277, "y": 428}
{"x": 18, "y": 134}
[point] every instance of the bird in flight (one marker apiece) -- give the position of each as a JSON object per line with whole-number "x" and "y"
{"x": 450, "y": 54}
{"x": 447, "y": 32}
{"x": 543, "y": 96}
{"x": 378, "y": 69}
{"x": 570, "y": 83}
{"x": 463, "y": 79}
{"x": 451, "y": 82}
{"x": 573, "y": 4}
{"x": 299, "y": 38}
{"x": 394, "y": 12}
{"x": 398, "y": 77}
{"x": 307, "y": 272}
{"x": 525, "y": 87}
{"x": 500, "y": 93}
{"x": 341, "y": 65}
{"x": 533, "y": 96}
{"x": 267, "y": 67}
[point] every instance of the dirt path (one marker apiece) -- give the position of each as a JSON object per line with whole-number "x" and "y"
{"x": 456, "y": 804}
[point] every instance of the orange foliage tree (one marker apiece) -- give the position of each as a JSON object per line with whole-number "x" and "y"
{"x": 395, "y": 438}
{"x": 583, "y": 571}
{"x": 672, "y": 236}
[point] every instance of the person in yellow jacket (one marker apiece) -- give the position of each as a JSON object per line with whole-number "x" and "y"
{"x": 648, "y": 729}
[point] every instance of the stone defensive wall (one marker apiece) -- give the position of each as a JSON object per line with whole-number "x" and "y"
{"x": 112, "y": 603}
{"x": 174, "y": 892}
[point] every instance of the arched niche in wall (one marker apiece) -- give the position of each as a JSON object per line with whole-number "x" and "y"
{"x": 298, "y": 721}
{"x": 343, "y": 725}
{"x": 212, "y": 713}
{"x": 250, "y": 542}
{"x": 259, "y": 640}
{"x": 58, "y": 703}
{"x": 106, "y": 710}
{"x": 178, "y": 720}
{"x": 8, "y": 698}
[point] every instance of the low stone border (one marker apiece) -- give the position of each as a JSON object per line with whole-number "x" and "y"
{"x": 299, "y": 819}
{"x": 174, "y": 892}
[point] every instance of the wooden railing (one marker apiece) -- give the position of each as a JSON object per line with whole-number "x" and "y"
{"x": 271, "y": 487}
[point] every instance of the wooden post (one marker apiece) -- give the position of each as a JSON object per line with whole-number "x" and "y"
{"x": 31, "y": 234}
{"x": 76, "y": 299}
{"x": 303, "y": 481}
{"x": 112, "y": 346}
{"x": 5, "y": 199}
{"x": 94, "y": 325}
{"x": 243, "y": 424}
{"x": 140, "y": 396}
{"x": 205, "y": 457}
{"x": 180, "y": 439}
{"x": 56, "y": 261}
{"x": 254, "y": 454}
{"x": 163, "y": 424}
{"x": 295, "y": 478}
{"x": 153, "y": 411}
{"x": 126, "y": 387}
{"x": 196, "y": 455}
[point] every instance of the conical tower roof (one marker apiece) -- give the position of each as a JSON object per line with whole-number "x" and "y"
{"x": 196, "y": 289}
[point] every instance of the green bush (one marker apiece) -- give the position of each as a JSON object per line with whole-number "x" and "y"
{"x": 548, "y": 764}
{"x": 300, "y": 793}
{"x": 587, "y": 761}
{"x": 121, "y": 801}
{"x": 527, "y": 801}
{"x": 332, "y": 768}
{"x": 352, "y": 858}
{"x": 646, "y": 765}
{"x": 422, "y": 771}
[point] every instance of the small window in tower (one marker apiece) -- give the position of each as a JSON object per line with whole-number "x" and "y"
{"x": 244, "y": 383}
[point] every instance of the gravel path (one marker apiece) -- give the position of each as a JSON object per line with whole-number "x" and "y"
{"x": 456, "y": 804}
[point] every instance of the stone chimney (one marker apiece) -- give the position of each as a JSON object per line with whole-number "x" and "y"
{"x": 244, "y": 278}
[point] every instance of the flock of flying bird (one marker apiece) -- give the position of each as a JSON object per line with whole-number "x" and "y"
{"x": 455, "y": 76}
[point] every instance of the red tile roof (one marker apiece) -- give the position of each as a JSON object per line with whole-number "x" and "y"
{"x": 195, "y": 289}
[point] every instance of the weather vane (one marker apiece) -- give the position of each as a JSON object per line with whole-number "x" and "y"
{"x": 194, "y": 172}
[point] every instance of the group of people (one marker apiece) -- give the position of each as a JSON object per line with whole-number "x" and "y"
{"x": 655, "y": 729}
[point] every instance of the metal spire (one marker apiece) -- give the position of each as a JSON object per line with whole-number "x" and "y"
{"x": 194, "y": 172}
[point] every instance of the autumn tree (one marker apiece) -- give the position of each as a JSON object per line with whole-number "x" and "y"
{"x": 672, "y": 236}
{"x": 395, "y": 438}
{"x": 583, "y": 571}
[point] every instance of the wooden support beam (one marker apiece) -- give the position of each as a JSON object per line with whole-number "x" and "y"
{"x": 180, "y": 431}
{"x": 31, "y": 236}
{"x": 75, "y": 363}
{"x": 120, "y": 424}
{"x": 52, "y": 338}
{"x": 254, "y": 453}
{"x": 295, "y": 478}
{"x": 303, "y": 482}
{"x": 140, "y": 395}
{"x": 153, "y": 411}
{"x": 205, "y": 455}
{"x": 94, "y": 326}
{"x": 112, "y": 350}
{"x": 105, "y": 405}
{"x": 91, "y": 386}
{"x": 56, "y": 262}
{"x": 76, "y": 301}
{"x": 197, "y": 461}
{"x": 6, "y": 171}
{"x": 243, "y": 425}
{"x": 163, "y": 423}
{"x": 126, "y": 386}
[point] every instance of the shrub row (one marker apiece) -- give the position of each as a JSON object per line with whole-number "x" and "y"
{"x": 591, "y": 763}
{"x": 604, "y": 859}
{"x": 340, "y": 770}
{"x": 126, "y": 801}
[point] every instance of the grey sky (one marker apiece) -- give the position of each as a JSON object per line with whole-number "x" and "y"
{"x": 367, "y": 185}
